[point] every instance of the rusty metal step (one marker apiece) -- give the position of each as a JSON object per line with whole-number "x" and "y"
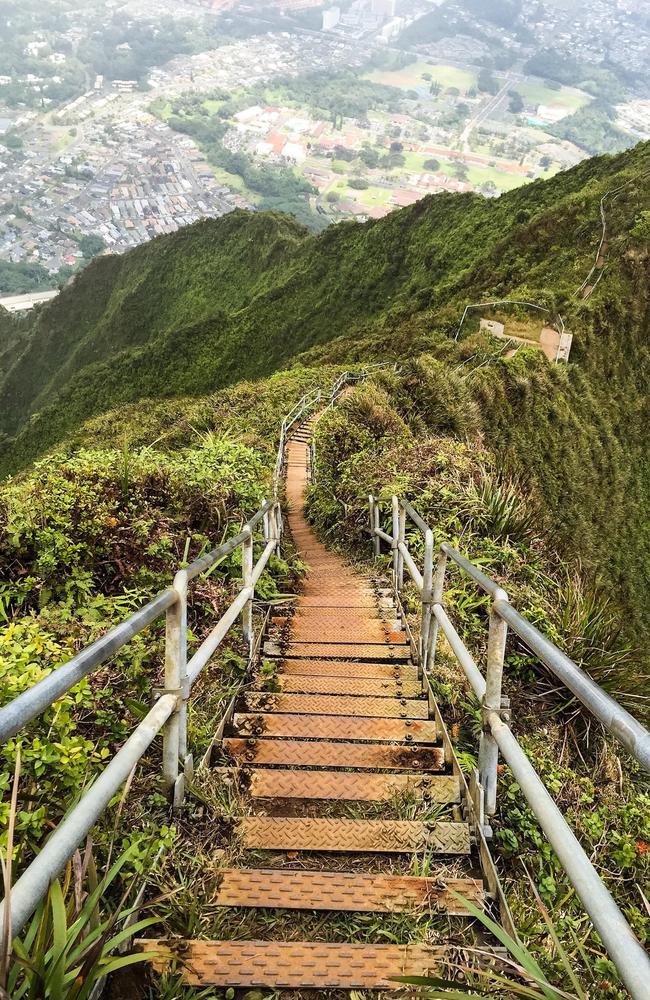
{"x": 364, "y": 633}
{"x": 319, "y": 753}
{"x": 342, "y": 603}
{"x": 351, "y": 786}
{"x": 350, "y": 668}
{"x": 335, "y": 727}
{"x": 397, "y": 651}
{"x": 293, "y": 964}
{"x": 381, "y": 687}
{"x": 352, "y": 836}
{"x": 326, "y": 890}
{"x": 325, "y": 704}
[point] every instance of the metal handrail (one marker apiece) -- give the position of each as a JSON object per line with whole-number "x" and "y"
{"x": 169, "y": 712}
{"x": 624, "y": 949}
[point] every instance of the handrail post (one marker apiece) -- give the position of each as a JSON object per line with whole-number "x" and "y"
{"x": 266, "y": 520}
{"x": 488, "y": 757}
{"x": 401, "y": 540}
{"x": 374, "y": 524}
{"x": 395, "y": 542}
{"x": 436, "y": 598}
{"x": 175, "y": 733}
{"x": 427, "y": 584}
{"x": 247, "y": 574}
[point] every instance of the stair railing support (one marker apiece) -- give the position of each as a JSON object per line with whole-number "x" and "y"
{"x": 436, "y": 598}
{"x": 401, "y": 540}
{"x": 176, "y": 682}
{"x": 488, "y": 758}
{"x": 395, "y": 543}
{"x": 247, "y": 574}
{"x": 374, "y": 524}
{"x": 427, "y": 595}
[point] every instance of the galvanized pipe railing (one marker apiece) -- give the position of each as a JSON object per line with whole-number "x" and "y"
{"x": 169, "y": 712}
{"x": 624, "y": 949}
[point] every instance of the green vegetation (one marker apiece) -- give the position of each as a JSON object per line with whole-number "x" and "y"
{"x": 18, "y": 278}
{"x": 419, "y": 433}
{"x": 593, "y": 129}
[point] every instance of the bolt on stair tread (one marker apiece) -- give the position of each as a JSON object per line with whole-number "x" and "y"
{"x": 276, "y": 888}
{"x": 293, "y": 964}
{"x": 350, "y": 668}
{"x": 324, "y": 704}
{"x": 315, "y": 753}
{"x": 351, "y": 786}
{"x": 334, "y": 727}
{"x": 381, "y": 687}
{"x": 352, "y": 836}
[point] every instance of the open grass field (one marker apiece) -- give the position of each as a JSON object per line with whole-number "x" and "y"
{"x": 411, "y": 77}
{"x": 569, "y": 98}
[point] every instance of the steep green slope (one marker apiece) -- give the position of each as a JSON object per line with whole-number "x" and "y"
{"x": 240, "y": 296}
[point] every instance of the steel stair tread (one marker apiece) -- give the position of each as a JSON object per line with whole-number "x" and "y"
{"x": 275, "y": 888}
{"x": 352, "y": 836}
{"x": 346, "y": 668}
{"x": 325, "y": 704}
{"x": 380, "y": 687}
{"x": 334, "y": 727}
{"x": 293, "y": 964}
{"x": 351, "y": 786}
{"x": 315, "y": 753}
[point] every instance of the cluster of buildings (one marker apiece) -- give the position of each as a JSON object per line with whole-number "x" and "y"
{"x": 104, "y": 165}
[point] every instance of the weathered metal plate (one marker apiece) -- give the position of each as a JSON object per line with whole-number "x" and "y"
{"x": 352, "y": 836}
{"x": 381, "y": 687}
{"x": 349, "y": 668}
{"x": 304, "y": 631}
{"x": 324, "y": 704}
{"x": 293, "y": 964}
{"x": 364, "y": 599}
{"x": 325, "y": 890}
{"x": 350, "y": 786}
{"x": 335, "y": 727}
{"x": 328, "y": 616}
{"x": 397, "y": 651}
{"x": 318, "y": 753}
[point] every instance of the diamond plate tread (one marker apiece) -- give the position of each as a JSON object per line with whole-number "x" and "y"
{"x": 395, "y": 651}
{"x": 335, "y": 668}
{"x": 324, "y": 704}
{"x": 293, "y": 964}
{"x": 326, "y": 890}
{"x": 351, "y": 787}
{"x": 335, "y": 727}
{"x": 382, "y": 687}
{"x": 317, "y": 753}
{"x": 368, "y": 632}
{"x": 342, "y": 603}
{"x": 352, "y": 836}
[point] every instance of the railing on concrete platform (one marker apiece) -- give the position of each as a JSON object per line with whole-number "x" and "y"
{"x": 169, "y": 711}
{"x": 624, "y": 949}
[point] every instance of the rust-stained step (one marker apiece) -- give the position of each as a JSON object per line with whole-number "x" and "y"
{"x": 362, "y": 599}
{"x": 352, "y": 786}
{"x": 325, "y": 704}
{"x": 397, "y": 651}
{"x": 335, "y": 727}
{"x": 326, "y": 890}
{"x": 348, "y": 668}
{"x": 384, "y": 687}
{"x": 352, "y": 836}
{"x": 318, "y": 753}
{"x": 293, "y": 964}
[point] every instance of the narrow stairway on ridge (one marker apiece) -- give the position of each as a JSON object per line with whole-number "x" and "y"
{"x": 353, "y": 842}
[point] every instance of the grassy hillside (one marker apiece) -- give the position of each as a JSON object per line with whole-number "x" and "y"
{"x": 241, "y": 296}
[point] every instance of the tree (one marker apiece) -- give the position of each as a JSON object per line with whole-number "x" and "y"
{"x": 358, "y": 183}
{"x": 91, "y": 244}
{"x": 396, "y": 147}
{"x": 332, "y": 197}
{"x": 435, "y": 88}
{"x": 516, "y": 105}
{"x": 460, "y": 169}
{"x": 432, "y": 165}
{"x": 545, "y": 162}
{"x": 487, "y": 83}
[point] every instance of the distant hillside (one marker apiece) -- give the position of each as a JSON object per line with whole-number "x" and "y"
{"x": 242, "y": 295}
{"x": 248, "y": 295}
